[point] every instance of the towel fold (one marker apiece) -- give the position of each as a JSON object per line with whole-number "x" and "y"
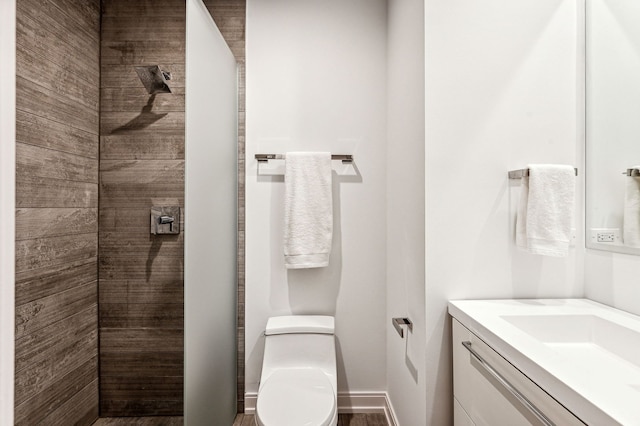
{"x": 308, "y": 211}
{"x": 546, "y": 210}
{"x": 631, "y": 217}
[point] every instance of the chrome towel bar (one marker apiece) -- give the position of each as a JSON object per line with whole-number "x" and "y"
{"x": 520, "y": 173}
{"x": 263, "y": 158}
{"x": 632, "y": 172}
{"x": 508, "y": 386}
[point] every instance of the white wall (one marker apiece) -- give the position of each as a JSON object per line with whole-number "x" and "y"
{"x": 7, "y": 205}
{"x": 612, "y": 279}
{"x": 500, "y": 93}
{"x": 405, "y": 209}
{"x": 210, "y": 223}
{"x": 316, "y": 81}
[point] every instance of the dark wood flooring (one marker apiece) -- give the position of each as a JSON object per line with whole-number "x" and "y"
{"x": 360, "y": 419}
{"x": 139, "y": 421}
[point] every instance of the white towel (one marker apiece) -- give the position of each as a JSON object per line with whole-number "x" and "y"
{"x": 631, "y": 219}
{"x": 308, "y": 209}
{"x": 545, "y": 212}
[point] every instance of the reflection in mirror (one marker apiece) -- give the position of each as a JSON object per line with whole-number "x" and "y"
{"x": 613, "y": 125}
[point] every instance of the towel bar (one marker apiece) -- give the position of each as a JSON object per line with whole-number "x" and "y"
{"x": 632, "y": 172}
{"x": 517, "y": 174}
{"x": 263, "y": 158}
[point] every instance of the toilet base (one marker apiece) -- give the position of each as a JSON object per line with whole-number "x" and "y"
{"x": 297, "y": 396}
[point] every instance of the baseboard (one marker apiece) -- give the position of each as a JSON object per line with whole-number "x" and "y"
{"x": 366, "y": 402}
{"x": 348, "y": 402}
{"x": 250, "y": 400}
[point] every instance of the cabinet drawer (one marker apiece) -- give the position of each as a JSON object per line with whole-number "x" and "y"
{"x": 489, "y": 402}
{"x": 460, "y": 417}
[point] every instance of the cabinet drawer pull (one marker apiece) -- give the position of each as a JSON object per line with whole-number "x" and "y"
{"x": 508, "y": 386}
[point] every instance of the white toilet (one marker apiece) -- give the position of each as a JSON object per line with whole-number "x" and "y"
{"x": 298, "y": 383}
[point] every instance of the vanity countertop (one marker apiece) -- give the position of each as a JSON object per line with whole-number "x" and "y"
{"x": 584, "y": 354}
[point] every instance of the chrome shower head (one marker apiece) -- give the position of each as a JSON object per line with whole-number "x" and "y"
{"x": 154, "y": 79}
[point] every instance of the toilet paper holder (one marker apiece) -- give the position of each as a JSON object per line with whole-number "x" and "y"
{"x": 399, "y": 322}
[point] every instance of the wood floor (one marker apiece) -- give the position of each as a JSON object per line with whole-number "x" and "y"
{"x": 343, "y": 420}
{"x": 139, "y": 421}
{"x": 241, "y": 420}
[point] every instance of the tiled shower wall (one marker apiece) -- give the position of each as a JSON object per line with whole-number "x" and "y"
{"x": 141, "y": 165}
{"x": 56, "y": 364}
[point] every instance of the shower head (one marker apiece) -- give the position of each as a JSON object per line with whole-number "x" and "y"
{"x": 154, "y": 79}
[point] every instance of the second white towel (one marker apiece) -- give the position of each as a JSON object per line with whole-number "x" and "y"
{"x": 546, "y": 209}
{"x": 308, "y": 211}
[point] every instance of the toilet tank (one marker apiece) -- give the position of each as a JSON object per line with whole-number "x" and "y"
{"x": 300, "y": 341}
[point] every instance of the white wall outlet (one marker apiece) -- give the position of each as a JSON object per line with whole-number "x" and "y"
{"x": 605, "y": 235}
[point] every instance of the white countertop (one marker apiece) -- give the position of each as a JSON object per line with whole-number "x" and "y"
{"x": 584, "y": 354}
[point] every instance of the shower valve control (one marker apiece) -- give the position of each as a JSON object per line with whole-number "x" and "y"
{"x": 165, "y": 220}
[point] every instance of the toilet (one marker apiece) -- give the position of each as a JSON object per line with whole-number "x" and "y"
{"x": 298, "y": 384}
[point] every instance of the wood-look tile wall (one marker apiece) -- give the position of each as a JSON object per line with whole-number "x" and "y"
{"x": 141, "y": 165}
{"x": 230, "y": 17}
{"x": 56, "y": 365}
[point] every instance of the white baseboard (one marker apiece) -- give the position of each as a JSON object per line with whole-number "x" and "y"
{"x": 366, "y": 402}
{"x": 348, "y": 402}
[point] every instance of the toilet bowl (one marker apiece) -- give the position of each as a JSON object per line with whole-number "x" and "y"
{"x": 298, "y": 384}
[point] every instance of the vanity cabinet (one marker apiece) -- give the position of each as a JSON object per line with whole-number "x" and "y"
{"x": 482, "y": 399}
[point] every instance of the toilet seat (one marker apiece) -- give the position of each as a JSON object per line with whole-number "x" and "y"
{"x": 296, "y": 397}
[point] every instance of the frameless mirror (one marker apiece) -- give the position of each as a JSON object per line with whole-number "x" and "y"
{"x": 613, "y": 125}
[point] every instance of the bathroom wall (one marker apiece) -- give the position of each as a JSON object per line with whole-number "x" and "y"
{"x": 56, "y": 346}
{"x": 316, "y": 78}
{"x": 612, "y": 279}
{"x": 501, "y": 92}
{"x": 141, "y": 165}
{"x": 405, "y": 209}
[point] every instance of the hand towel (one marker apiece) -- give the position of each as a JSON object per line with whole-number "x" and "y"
{"x": 546, "y": 210}
{"x": 308, "y": 209}
{"x": 631, "y": 217}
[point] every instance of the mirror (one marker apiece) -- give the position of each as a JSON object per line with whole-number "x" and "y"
{"x": 612, "y": 125}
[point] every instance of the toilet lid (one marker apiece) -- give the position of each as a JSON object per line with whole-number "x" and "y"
{"x": 296, "y": 397}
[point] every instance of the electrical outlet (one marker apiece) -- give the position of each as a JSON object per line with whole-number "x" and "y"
{"x": 605, "y": 235}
